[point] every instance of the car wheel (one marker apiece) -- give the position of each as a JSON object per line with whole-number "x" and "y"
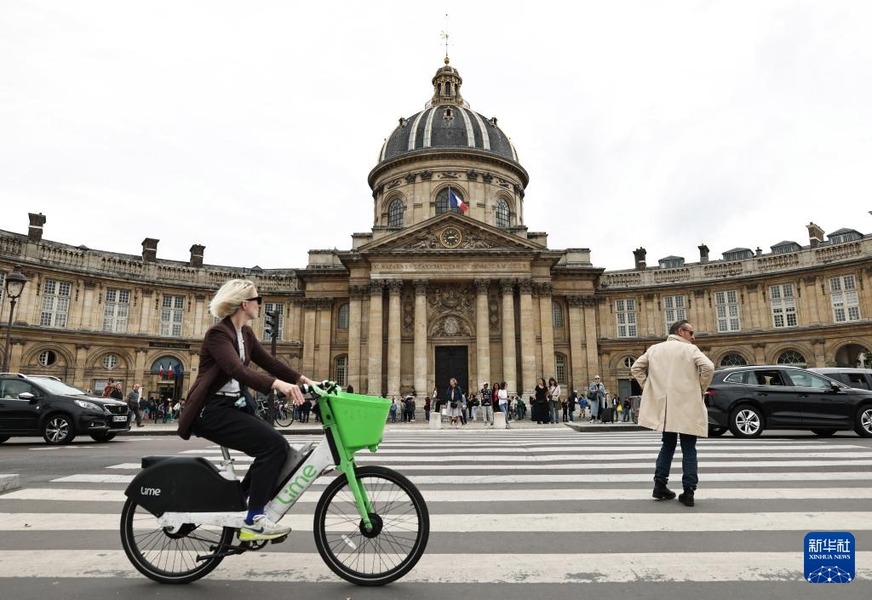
{"x": 58, "y": 429}
{"x": 103, "y": 436}
{"x": 716, "y": 431}
{"x": 863, "y": 421}
{"x": 746, "y": 422}
{"x": 3, "y": 438}
{"x": 823, "y": 432}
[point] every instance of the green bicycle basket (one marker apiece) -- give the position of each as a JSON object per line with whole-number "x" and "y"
{"x": 360, "y": 420}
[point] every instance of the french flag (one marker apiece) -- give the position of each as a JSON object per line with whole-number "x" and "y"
{"x": 454, "y": 201}
{"x": 170, "y": 373}
{"x": 161, "y": 373}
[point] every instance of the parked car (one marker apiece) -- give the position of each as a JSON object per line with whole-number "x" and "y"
{"x": 746, "y": 400}
{"x": 855, "y": 378}
{"x": 45, "y": 406}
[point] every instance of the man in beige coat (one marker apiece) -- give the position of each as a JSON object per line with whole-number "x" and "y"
{"x": 674, "y": 376}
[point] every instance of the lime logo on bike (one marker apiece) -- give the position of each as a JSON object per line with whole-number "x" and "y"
{"x": 296, "y": 486}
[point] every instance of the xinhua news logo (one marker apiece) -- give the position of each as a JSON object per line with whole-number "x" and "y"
{"x": 829, "y": 557}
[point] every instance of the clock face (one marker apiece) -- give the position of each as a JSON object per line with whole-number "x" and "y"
{"x": 450, "y": 237}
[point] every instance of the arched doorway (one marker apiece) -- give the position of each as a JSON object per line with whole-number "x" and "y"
{"x": 853, "y": 355}
{"x": 167, "y": 377}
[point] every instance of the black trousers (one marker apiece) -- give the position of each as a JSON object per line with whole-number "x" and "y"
{"x": 224, "y": 424}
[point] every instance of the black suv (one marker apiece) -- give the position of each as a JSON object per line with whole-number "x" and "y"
{"x": 40, "y": 405}
{"x": 747, "y": 400}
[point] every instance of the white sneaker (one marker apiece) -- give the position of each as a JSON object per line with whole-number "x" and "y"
{"x": 262, "y": 529}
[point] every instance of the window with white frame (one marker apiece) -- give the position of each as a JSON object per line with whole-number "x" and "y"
{"x": 625, "y": 314}
{"x": 846, "y": 303}
{"x": 727, "y": 311}
{"x": 560, "y": 368}
{"x": 55, "y": 303}
{"x": 47, "y": 358}
{"x": 116, "y": 307}
{"x": 557, "y": 315}
{"x": 279, "y": 310}
{"x": 791, "y": 357}
{"x": 171, "y": 312}
{"x": 782, "y": 301}
{"x": 733, "y": 359}
{"x": 674, "y": 310}
{"x": 340, "y": 370}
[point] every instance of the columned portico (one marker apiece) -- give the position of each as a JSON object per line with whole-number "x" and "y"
{"x": 528, "y": 339}
{"x": 395, "y": 288}
{"x": 422, "y": 385}
{"x": 375, "y": 338}
{"x": 354, "y": 319}
{"x": 546, "y": 320}
{"x": 482, "y": 332}
{"x": 507, "y": 289}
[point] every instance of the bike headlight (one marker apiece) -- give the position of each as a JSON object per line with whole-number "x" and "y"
{"x": 88, "y": 405}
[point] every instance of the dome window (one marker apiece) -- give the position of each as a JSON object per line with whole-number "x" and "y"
{"x": 395, "y": 214}
{"x": 502, "y": 220}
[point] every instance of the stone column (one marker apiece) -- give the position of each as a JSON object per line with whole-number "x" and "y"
{"x": 147, "y": 309}
{"x": 310, "y": 306}
{"x": 577, "y": 359}
{"x": 354, "y": 324}
{"x": 79, "y": 373}
{"x": 590, "y": 336}
{"x": 422, "y": 384}
{"x": 323, "y": 354}
{"x": 508, "y": 322}
{"x": 546, "y": 317}
{"x": 374, "y": 339}
{"x": 395, "y": 289}
{"x": 528, "y": 339}
{"x": 482, "y": 332}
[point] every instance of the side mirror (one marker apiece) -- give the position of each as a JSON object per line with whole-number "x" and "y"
{"x": 26, "y": 396}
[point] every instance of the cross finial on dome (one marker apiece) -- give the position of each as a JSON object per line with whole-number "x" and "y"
{"x": 444, "y": 36}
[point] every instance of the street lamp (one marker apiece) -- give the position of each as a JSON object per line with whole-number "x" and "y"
{"x": 14, "y": 286}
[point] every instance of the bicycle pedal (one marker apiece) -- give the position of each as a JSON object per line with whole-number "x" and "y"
{"x": 279, "y": 540}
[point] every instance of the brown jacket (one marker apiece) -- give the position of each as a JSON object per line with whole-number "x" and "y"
{"x": 219, "y": 363}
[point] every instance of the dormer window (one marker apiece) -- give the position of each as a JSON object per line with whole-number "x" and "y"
{"x": 844, "y": 237}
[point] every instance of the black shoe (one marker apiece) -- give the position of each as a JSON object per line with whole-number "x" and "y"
{"x": 687, "y": 497}
{"x": 661, "y": 492}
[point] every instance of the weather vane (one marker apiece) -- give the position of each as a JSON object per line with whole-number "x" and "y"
{"x": 444, "y": 36}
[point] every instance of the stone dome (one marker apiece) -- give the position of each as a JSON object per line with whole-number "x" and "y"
{"x": 447, "y": 123}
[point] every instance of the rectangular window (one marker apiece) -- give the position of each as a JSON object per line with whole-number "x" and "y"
{"x": 674, "y": 309}
{"x": 55, "y": 303}
{"x": 782, "y": 299}
{"x": 171, "y": 312}
{"x": 727, "y": 311}
{"x": 846, "y": 302}
{"x": 116, "y": 306}
{"x": 341, "y": 375}
{"x": 560, "y": 368}
{"x": 277, "y": 308}
{"x": 625, "y": 312}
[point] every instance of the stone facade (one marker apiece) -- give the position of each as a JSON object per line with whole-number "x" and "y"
{"x": 431, "y": 288}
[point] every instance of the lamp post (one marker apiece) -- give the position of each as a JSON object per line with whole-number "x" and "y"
{"x": 14, "y": 286}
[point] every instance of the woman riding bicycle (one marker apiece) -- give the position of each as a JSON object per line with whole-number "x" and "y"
{"x": 220, "y": 409}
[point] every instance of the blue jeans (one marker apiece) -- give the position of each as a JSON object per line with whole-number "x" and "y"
{"x": 689, "y": 474}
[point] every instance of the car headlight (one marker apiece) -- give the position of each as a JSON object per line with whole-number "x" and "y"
{"x": 88, "y": 405}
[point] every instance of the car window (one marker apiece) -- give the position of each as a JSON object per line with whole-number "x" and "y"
{"x": 744, "y": 377}
{"x": 810, "y": 380}
{"x": 770, "y": 378}
{"x": 856, "y": 380}
{"x": 11, "y": 388}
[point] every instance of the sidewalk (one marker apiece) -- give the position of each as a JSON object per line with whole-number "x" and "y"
{"x": 314, "y": 428}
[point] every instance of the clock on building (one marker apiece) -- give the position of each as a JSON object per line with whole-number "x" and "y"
{"x": 450, "y": 237}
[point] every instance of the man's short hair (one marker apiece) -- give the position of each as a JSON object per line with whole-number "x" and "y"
{"x": 675, "y": 327}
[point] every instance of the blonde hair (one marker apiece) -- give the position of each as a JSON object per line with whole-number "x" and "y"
{"x": 229, "y": 297}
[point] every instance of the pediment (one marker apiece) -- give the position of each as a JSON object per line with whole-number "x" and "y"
{"x": 449, "y": 232}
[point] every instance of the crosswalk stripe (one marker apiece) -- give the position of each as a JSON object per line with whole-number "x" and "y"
{"x": 672, "y": 567}
{"x": 480, "y": 523}
{"x": 525, "y": 495}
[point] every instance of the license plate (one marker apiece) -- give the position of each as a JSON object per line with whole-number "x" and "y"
{"x": 119, "y": 419}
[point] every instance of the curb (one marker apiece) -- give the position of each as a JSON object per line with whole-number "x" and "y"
{"x": 9, "y": 482}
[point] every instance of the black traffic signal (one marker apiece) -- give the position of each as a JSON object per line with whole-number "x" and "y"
{"x": 271, "y": 325}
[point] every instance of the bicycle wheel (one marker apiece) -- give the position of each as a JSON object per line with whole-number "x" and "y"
{"x": 165, "y": 556}
{"x": 284, "y": 414}
{"x": 401, "y": 527}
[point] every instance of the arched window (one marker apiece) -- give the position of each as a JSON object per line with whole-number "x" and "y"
{"x": 557, "y": 315}
{"x": 342, "y": 317}
{"x": 733, "y": 360}
{"x": 340, "y": 370}
{"x": 395, "y": 214}
{"x": 560, "y": 368}
{"x": 791, "y": 357}
{"x": 442, "y": 204}
{"x": 110, "y": 361}
{"x": 47, "y": 358}
{"x": 502, "y": 214}
{"x": 628, "y": 361}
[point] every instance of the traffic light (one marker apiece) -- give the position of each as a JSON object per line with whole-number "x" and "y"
{"x": 271, "y": 325}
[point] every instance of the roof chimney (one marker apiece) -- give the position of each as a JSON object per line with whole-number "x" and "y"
{"x": 34, "y": 232}
{"x": 639, "y": 254}
{"x": 197, "y": 255}
{"x": 149, "y": 250}
{"x": 815, "y": 235}
{"x": 703, "y": 253}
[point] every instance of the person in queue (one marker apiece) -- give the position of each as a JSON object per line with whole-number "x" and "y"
{"x": 220, "y": 409}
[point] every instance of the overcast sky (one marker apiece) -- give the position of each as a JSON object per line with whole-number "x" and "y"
{"x": 251, "y": 127}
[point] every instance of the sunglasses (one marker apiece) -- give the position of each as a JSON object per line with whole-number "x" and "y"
{"x": 258, "y": 299}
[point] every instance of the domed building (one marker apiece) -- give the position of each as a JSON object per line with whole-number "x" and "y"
{"x": 448, "y": 282}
